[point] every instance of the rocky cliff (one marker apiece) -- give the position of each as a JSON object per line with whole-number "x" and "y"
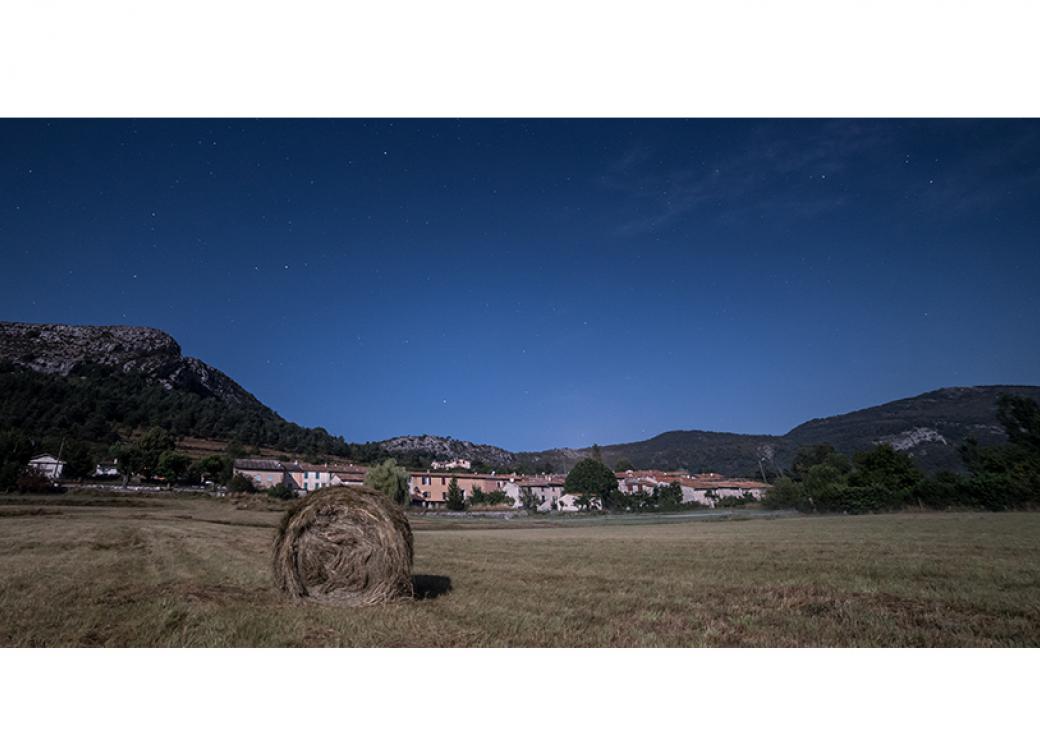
{"x": 60, "y": 348}
{"x": 446, "y": 448}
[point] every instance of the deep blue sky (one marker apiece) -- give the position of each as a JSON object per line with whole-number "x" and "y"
{"x": 541, "y": 283}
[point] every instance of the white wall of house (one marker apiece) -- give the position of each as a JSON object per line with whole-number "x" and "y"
{"x": 550, "y": 494}
{"x": 105, "y": 469}
{"x": 337, "y": 481}
{"x": 48, "y": 466}
{"x": 266, "y": 478}
{"x": 567, "y": 503}
{"x": 700, "y": 495}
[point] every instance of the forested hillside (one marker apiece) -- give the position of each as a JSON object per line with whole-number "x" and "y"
{"x": 101, "y": 405}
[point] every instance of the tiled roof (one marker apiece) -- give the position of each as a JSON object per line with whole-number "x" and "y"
{"x": 332, "y": 468}
{"x": 460, "y": 476}
{"x": 541, "y": 480}
{"x": 259, "y": 464}
{"x": 720, "y": 482}
{"x": 297, "y": 467}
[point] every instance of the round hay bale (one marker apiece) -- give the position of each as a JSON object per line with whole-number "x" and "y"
{"x": 345, "y": 545}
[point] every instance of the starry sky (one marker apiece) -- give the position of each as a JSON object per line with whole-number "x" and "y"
{"x": 541, "y": 283}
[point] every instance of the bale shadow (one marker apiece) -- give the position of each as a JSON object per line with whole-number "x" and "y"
{"x": 430, "y": 587}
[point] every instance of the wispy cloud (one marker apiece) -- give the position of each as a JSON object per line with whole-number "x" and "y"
{"x": 787, "y": 171}
{"x": 772, "y": 172}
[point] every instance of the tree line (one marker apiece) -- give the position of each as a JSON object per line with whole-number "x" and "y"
{"x": 87, "y": 412}
{"x": 998, "y": 477}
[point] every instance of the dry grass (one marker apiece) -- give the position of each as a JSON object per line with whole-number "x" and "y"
{"x": 197, "y": 572}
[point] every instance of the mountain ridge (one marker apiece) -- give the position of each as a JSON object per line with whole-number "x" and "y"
{"x": 930, "y": 426}
{"x": 58, "y": 349}
{"x": 98, "y": 384}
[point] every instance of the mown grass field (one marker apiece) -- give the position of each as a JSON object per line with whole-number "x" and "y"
{"x": 115, "y": 571}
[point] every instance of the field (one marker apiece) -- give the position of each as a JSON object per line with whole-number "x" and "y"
{"x": 150, "y": 571}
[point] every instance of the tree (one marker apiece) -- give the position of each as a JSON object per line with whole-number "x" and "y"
{"x": 390, "y": 479}
{"x": 241, "y": 484}
{"x": 669, "y": 497}
{"x": 785, "y": 494}
{"x": 15, "y": 451}
{"x": 597, "y": 454}
{"x": 1020, "y": 417}
{"x": 1007, "y": 476}
{"x": 592, "y": 477}
{"x": 885, "y": 468}
{"x": 824, "y": 483}
{"x": 495, "y": 497}
{"x": 639, "y": 501}
{"x": 806, "y": 457}
{"x": 151, "y": 446}
{"x": 216, "y": 468}
{"x": 79, "y": 459}
{"x": 622, "y": 465}
{"x": 456, "y": 500}
{"x": 173, "y": 465}
{"x": 529, "y": 500}
{"x": 128, "y": 460}
{"x": 281, "y": 492}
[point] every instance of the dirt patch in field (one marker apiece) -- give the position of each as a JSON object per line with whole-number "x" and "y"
{"x": 127, "y": 539}
{"x": 223, "y": 594}
{"x": 115, "y": 503}
{"x": 262, "y": 525}
{"x": 258, "y": 502}
{"x": 29, "y": 512}
{"x": 192, "y": 593}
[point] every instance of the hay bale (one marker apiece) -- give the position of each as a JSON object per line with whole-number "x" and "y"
{"x": 346, "y": 545}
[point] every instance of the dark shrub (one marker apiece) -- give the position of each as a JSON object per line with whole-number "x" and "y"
{"x": 33, "y": 481}
{"x": 241, "y": 484}
{"x": 730, "y": 502}
{"x": 281, "y": 492}
{"x": 786, "y": 494}
{"x": 941, "y": 492}
{"x": 861, "y": 500}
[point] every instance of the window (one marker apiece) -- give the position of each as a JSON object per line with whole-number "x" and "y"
{"x": 442, "y": 481}
{"x": 426, "y": 480}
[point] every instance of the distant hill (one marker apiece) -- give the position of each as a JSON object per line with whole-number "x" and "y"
{"x": 429, "y": 447}
{"x": 62, "y": 349}
{"x": 697, "y": 451}
{"x": 100, "y": 383}
{"x": 929, "y": 427}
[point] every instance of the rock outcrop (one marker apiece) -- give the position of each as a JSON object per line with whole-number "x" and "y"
{"x": 61, "y": 348}
{"x": 446, "y": 448}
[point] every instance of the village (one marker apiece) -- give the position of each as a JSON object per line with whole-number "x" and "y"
{"x": 428, "y": 489}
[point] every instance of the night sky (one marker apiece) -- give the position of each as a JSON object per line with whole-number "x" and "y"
{"x": 534, "y": 284}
